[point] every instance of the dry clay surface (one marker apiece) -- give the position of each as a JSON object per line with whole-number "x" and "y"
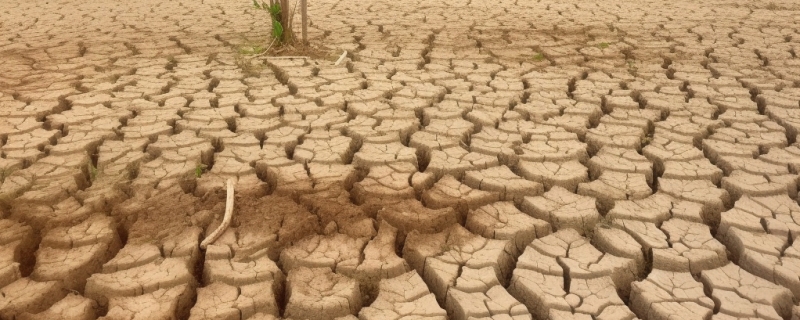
{"x": 468, "y": 159}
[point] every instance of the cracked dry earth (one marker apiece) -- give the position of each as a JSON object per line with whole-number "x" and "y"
{"x": 470, "y": 159}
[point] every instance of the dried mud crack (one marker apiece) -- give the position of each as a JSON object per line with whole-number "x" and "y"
{"x": 524, "y": 160}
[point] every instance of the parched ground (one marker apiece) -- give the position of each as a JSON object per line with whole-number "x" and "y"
{"x": 469, "y": 159}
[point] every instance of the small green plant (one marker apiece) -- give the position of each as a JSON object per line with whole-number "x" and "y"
{"x": 275, "y": 13}
{"x": 243, "y": 56}
{"x": 92, "y": 171}
{"x": 646, "y": 140}
{"x": 281, "y": 20}
{"x": 538, "y": 57}
{"x": 632, "y": 68}
{"x": 603, "y": 45}
{"x": 198, "y": 170}
{"x": 248, "y": 49}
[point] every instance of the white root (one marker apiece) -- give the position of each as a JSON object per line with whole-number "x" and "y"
{"x": 226, "y": 221}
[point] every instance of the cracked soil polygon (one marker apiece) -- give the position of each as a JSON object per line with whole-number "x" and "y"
{"x": 453, "y": 139}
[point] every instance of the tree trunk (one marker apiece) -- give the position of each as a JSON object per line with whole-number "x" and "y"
{"x": 304, "y": 16}
{"x": 286, "y": 21}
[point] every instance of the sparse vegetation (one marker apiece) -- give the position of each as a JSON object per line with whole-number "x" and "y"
{"x": 92, "y": 171}
{"x": 244, "y": 57}
{"x": 632, "y": 68}
{"x": 538, "y": 57}
{"x": 249, "y": 49}
{"x": 198, "y": 170}
{"x": 281, "y": 15}
{"x": 646, "y": 140}
{"x": 603, "y": 45}
{"x": 281, "y": 21}
{"x": 282, "y": 40}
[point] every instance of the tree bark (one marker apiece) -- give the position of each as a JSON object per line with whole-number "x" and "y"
{"x": 304, "y": 16}
{"x": 286, "y": 20}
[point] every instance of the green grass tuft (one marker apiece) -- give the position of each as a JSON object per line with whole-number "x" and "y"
{"x": 251, "y": 49}
{"x": 198, "y": 170}
{"x": 92, "y": 171}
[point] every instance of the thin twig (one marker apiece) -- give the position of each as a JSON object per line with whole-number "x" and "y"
{"x": 266, "y": 51}
{"x": 341, "y": 58}
{"x": 290, "y": 20}
{"x": 226, "y": 221}
{"x": 294, "y": 10}
{"x": 270, "y": 46}
{"x": 288, "y": 57}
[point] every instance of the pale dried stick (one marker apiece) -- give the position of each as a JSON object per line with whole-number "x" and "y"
{"x": 341, "y": 58}
{"x": 288, "y": 57}
{"x": 226, "y": 221}
{"x": 265, "y": 51}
